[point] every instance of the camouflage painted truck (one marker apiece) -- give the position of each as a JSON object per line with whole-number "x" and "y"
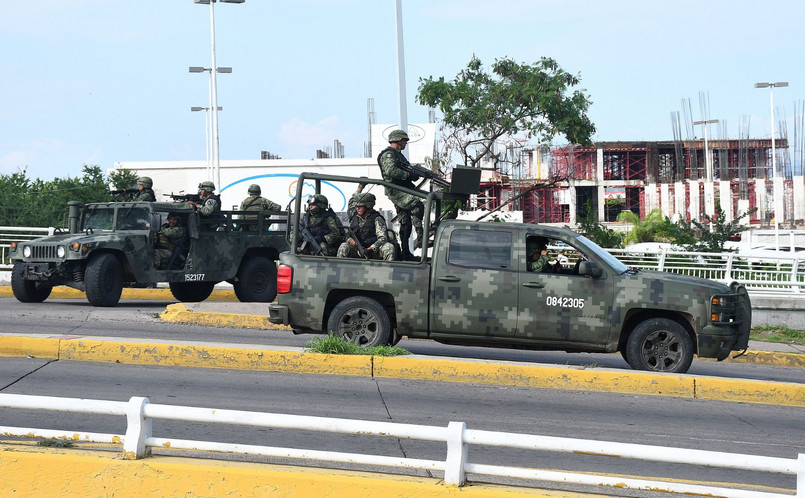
{"x": 109, "y": 246}
{"x": 475, "y": 289}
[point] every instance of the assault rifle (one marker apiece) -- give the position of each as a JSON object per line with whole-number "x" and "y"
{"x": 417, "y": 170}
{"x": 358, "y": 245}
{"x": 311, "y": 240}
{"x": 124, "y": 191}
{"x": 180, "y": 197}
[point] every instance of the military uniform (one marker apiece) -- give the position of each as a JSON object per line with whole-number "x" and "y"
{"x": 410, "y": 209}
{"x": 370, "y": 231}
{"x": 324, "y": 225}
{"x": 209, "y": 207}
{"x": 168, "y": 238}
{"x": 145, "y": 194}
{"x": 256, "y": 203}
{"x": 536, "y": 246}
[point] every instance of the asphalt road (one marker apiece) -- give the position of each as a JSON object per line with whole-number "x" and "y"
{"x": 139, "y": 319}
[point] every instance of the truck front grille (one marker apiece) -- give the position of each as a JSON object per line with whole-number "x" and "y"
{"x": 43, "y": 252}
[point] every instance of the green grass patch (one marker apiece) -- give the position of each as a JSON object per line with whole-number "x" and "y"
{"x": 338, "y": 345}
{"x": 777, "y": 334}
{"x": 55, "y": 443}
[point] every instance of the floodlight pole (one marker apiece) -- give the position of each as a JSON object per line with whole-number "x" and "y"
{"x": 777, "y": 181}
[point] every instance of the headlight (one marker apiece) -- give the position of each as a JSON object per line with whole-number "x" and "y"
{"x": 60, "y": 251}
{"x": 26, "y": 251}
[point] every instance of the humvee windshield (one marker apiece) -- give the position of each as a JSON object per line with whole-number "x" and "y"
{"x": 97, "y": 218}
{"x": 132, "y": 218}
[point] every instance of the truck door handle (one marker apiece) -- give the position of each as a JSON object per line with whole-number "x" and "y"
{"x": 449, "y": 278}
{"x": 534, "y": 285}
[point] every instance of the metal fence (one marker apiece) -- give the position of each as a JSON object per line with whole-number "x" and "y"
{"x": 16, "y": 234}
{"x": 141, "y": 414}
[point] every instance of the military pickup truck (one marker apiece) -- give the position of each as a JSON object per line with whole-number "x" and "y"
{"x": 113, "y": 245}
{"x": 476, "y": 289}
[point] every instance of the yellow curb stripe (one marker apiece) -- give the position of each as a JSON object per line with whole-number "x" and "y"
{"x": 776, "y": 393}
{"x": 80, "y": 472}
{"x": 38, "y": 347}
{"x": 62, "y": 292}
{"x": 178, "y": 313}
{"x": 777, "y": 359}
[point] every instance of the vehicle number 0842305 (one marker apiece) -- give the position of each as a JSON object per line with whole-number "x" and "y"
{"x": 565, "y": 302}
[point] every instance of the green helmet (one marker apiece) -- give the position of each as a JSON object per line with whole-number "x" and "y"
{"x": 208, "y": 186}
{"x": 145, "y": 181}
{"x": 318, "y": 200}
{"x": 397, "y": 135}
{"x": 365, "y": 200}
{"x": 254, "y": 189}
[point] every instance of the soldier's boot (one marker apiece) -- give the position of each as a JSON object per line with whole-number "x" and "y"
{"x": 405, "y": 238}
{"x": 418, "y": 239}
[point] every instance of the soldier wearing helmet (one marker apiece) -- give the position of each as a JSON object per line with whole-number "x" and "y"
{"x": 170, "y": 234}
{"x": 209, "y": 204}
{"x": 323, "y": 224}
{"x": 369, "y": 227}
{"x": 255, "y": 203}
{"x": 410, "y": 209}
{"x": 143, "y": 192}
{"x": 537, "y": 251}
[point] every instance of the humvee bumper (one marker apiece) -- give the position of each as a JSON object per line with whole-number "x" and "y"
{"x": 278, "y": 314}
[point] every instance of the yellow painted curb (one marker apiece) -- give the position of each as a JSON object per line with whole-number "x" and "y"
{"x": 178, "y": 313}
{"x": 37, "y": 347}
{"x": 565, "y": 377}
{"x": 62, "y": 292}
{"x": 777, "y": 393}
{"x": 773, "y": 358}
{"x": 79, "y": 472}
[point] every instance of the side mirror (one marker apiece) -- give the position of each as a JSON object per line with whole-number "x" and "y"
{"x": 590, "y": 268}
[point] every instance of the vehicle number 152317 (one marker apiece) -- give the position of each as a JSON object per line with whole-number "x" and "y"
{"x": 565, "y": 302}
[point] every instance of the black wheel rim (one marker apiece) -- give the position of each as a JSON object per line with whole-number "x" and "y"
{"x": 662, "y": 351}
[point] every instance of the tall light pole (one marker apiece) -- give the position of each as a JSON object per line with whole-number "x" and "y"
{"x": 207, "y": 141}
{"x": 709, "y": 201}
{"x": 401, "y": 73}
{"x": 212, "y": 170}
{"x": 777, "y": 181}
{"x": 214, "y": 104}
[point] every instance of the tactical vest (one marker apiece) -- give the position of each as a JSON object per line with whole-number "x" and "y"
{"x": 143, "y": 193}
{"x": 319, "y": 228}
{"x": 217, "y": 204}
{"x": 366, "y": 233}
{"x": 255, "y": 204}
{"x": 398, "y": 157}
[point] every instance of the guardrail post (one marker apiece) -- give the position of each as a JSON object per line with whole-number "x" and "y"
{"x": 456, "y": 454}
{"x": 661, "y": 262}
{"x": 801, "y": 475}
{"x": 138, "y": 429}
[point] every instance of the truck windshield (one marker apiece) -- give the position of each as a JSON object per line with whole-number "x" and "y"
{"x": 592, "y": 247}
{"x": 97, "y": 218}
{"x": 132, "y": 218}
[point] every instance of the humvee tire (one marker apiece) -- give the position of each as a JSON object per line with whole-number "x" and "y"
{"x": 361, "y": 320}
{"x": 28, "y": 291}
{"x": 257, "y": 281}
{"x": 191, "y": 292}
{"x": 103, "y": 280}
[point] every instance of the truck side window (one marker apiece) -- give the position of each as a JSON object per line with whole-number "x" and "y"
{"x": 480, "y": 249}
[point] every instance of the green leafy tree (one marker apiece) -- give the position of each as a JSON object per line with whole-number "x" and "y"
{"x": 516, "y": 101}
{"x": 715, "y": 232}
{"x": 655, "y": 228}
{"x": 123, "y": 178}
{"x": 590, "y": 227}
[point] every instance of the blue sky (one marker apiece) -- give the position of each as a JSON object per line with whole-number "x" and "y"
{"x": 99, "y": 81}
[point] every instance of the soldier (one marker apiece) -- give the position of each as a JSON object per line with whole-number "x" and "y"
{"x": 210, "y": 205}
{"x": 145, "y": 192}
{"x": 537, "y": 251}
{"x": 369, "y": 227}
{"x": 410, "y": 209}
{"x": 256, "y": 203}
{"x": 321, "y": 225}
{"x": 170, "y": 234}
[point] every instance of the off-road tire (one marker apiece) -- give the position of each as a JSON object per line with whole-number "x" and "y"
{"x": 257, "y": 281}
{"x": 660, "y": 345}
{"x": 103, "y": 280}
{"x": 191, "y": 292}
{"x": 28, "y": 291}
{"x": 361, "y": 320}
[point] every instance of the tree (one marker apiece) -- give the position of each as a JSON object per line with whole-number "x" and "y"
{"x": 515, "y": 101}
{"x": 716, "y": 232}
{"x": 590, "y": 227}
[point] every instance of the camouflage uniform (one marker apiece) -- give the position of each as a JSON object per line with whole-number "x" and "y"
{"x": 209, "y": 207}
{"x": 167, "y": 239}
{"x": 536, "y": 246}
{"x": 370, "y": 229}
{"x": 256, "y": 203}
{"x": 145, "y": 194}
{"x": 323, "y": 224}
{"x": 410, "y": 209}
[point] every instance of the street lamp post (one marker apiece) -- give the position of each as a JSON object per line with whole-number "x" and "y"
{"x": 212, "y": 170}
{"x": 207, "y": 136}
{"x": 709, "y": 201}
{"x": 777, "y": 181}
{"x": 214, "y": 88}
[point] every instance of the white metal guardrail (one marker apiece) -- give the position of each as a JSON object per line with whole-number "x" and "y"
{"x": 140, "y": 414}
{"x": 15, "y": 234}
{"x": 777, "y": 273}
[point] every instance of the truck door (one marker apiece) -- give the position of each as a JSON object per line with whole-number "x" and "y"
{"x": 557, "y": 306}
{"x": 474, "y": 284}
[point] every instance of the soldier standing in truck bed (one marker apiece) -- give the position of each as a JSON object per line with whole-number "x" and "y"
{"x": 256, "y": 203}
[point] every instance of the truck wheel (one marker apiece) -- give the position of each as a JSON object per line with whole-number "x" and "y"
{"x": 191, "y": 292}
{"x": 660, "y": 345}
{"x": 28, "y": 291}
{"x": 257, "y": 281}
{"x": 361, "y": 320}
{"x": 104, "y": 280}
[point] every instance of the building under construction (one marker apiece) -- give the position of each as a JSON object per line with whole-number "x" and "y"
{"x": 674, "y": 176}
